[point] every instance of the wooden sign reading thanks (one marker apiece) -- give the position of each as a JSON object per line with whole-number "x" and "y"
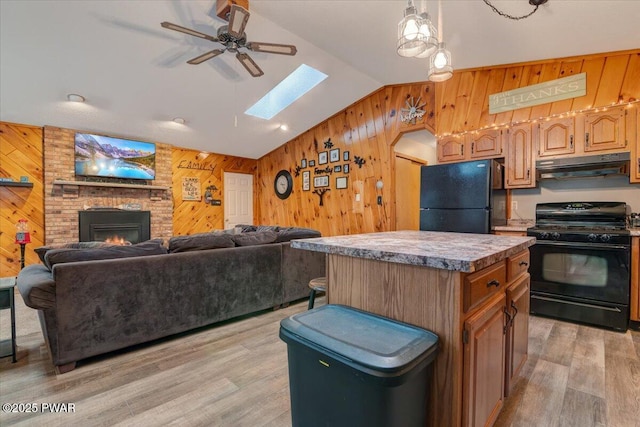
{"x": 542, "y": 93}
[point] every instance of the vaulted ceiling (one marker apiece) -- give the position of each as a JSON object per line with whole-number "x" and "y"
{"x": 135, "y": 78}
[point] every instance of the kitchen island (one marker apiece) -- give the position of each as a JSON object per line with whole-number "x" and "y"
{"x": 472, "y": 290}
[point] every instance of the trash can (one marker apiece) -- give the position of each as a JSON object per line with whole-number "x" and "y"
{"x": 351, "y": 368}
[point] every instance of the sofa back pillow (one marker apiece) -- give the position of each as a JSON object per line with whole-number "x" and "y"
{"x": 200, "y": 241}
{"x": 253, "y": 238}
{"x": 286, "y": 234}
{"x": 42, "y": 250}
{"x": 58, "y": 256}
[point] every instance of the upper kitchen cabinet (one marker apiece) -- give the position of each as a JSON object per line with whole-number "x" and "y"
{"x": 605, "y": 130}
{"x": 451, "y": 149}
{"x": 483, "y": 144}
{"x": 519, "y": 160}
{"x": 555, "y": 137}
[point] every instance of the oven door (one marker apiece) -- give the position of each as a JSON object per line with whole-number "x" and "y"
{"x": 598, "y": 272}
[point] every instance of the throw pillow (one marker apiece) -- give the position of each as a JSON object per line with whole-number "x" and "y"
{"x": 42, "y": 250}
{"x": 201, "y": 241}
{"x": 58, "y": 256}
{"x": 253, "y": 238}
{"x": 287, "y": 234}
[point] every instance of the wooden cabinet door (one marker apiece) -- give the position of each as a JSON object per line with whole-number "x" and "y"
{"x": 484, "y": 359}
{"x": 519, "y": 161}
{"x": 605, "y": 130}
{"x": 556, "y": 137}
{"x": 517, "y": 330}
{"x": 485, "y": 144}
{"x": 635, "y": 279}
{"x": 451, "y": 149}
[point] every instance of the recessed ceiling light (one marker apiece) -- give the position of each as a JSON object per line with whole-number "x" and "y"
{"x": 73, "y": 97}
{"x": 284, "y": 127}
{"x": 179, "y": 120}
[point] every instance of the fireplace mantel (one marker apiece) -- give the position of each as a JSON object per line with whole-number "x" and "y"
{"x": 109, "y": 184}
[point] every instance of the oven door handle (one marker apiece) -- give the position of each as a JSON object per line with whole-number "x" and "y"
{"x": 583, "y": 245}
{"x": 599, "y": 307}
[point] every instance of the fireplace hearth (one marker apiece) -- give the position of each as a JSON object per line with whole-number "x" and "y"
{"x": 101, "y": 225}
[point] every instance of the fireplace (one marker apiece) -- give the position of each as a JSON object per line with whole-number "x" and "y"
{"x": 103, "y": 224}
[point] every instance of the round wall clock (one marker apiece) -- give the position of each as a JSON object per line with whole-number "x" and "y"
{"x": 283, "y": 184}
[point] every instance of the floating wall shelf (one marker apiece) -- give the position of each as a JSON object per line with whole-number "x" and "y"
{"x": 109, "y": 184}
{"x": 16, "y": 184}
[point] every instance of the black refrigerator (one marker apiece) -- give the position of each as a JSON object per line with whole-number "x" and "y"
{"x": 466, "y": 197}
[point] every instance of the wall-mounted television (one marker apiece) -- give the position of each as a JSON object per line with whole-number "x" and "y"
{"x": 104, "y": 156}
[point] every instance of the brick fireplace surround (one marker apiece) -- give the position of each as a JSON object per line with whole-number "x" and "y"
{"x": 62, "y": 203}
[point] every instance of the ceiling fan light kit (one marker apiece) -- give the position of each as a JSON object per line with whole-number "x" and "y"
{"x": 234, "y": 38}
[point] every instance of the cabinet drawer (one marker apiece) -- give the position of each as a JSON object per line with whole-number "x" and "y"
{"x": 479, "y": 285}
{"x": 517, "y": 265}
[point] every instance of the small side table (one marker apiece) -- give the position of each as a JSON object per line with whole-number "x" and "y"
{"x": 7, "y": 300}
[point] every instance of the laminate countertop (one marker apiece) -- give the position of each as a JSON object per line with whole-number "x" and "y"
{"x": 463, "y": 252}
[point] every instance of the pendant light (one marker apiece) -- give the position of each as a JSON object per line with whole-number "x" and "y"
{"x": 440, "y": 68}
{"x": 411, "y": 41}
{"x": 428, "y": 30}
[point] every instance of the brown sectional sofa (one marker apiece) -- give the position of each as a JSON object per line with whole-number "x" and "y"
{"x": 95, "y": 306}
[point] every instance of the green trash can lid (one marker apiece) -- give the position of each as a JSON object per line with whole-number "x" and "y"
{"x": 367, "y": 339}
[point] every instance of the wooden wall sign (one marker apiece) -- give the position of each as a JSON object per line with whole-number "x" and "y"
{"x": 190, "y": 188}
{"x": 541, "y": 93}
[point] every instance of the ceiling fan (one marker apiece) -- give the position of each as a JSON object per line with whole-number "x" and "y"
{"x": 233, "y": 38}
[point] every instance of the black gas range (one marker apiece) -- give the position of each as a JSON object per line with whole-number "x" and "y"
{"x": 580, "y": 264}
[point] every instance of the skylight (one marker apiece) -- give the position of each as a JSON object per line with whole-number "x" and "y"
{"x": 296, "y": 84}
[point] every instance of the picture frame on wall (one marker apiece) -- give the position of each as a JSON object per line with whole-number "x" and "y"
{"x": 321, "y": 181}
{"x": 303, "y": 163}
{"x": 312, "y": 163}
{"x": 345, "y": 168}
{"x": 334, "y": 155}
{"x": 306, "y": 181}
{"x": 345, "y": 156}
{"x": 337, "y": 168}
{"x": 341, "y": 182}
{"x": 322, "y": 158}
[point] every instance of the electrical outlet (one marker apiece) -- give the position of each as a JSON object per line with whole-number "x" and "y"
{"x": 514, "y": 205}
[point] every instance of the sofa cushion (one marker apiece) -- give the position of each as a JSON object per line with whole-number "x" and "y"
{"x": 252, "y": 238}
{"x": 150, "y": 247}
{"x": 289, "y": 233}
{"x": 244, "y": 228}
{"x": 36, "y": 286}
{"x": 200, "y": 241}
{"x": 42, "y": 250}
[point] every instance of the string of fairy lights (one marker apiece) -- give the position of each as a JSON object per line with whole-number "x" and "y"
{"x": 627, "y": 104}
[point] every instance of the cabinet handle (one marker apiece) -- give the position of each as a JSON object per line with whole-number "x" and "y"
{"x": 462, "y": 150}
{"x": 571, "y": 141}
{"x": 473, "y": 145}
{"x": 514, "y": 309}
{"x": 509, "y": 319}
{"x": 523, "y": 263}
{"x": 493, "y": 282}
{"x": 586, "y": 139}
{"x": 528, "y": 173}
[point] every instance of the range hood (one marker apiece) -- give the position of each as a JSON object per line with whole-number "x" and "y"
{"x": 584, "y": 166}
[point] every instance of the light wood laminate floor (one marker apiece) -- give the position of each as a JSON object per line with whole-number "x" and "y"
{"x": 235, "y": 374}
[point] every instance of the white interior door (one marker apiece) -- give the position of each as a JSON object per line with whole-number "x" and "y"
{"x": 238, "y": 199}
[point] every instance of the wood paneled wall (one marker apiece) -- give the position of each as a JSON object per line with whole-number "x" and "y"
{"x": 189, "y": 216}
{"x": 462, "y": 101}
{"x": 370, "y": 127}
{"x": 366, "y": 129}
{"x": 20, "y": 155}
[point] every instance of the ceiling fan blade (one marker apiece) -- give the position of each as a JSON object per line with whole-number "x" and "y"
{"x": 249, "y": 64}
{"x": 281, "y": 49}
{"x": 200, "y": 59}
{"x": 238, "y": 18}
{"x": 189, "y": 31}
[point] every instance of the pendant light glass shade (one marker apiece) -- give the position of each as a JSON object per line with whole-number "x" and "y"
{"x": 429, "y": 32}
{"x": 411, "y": 41}
{"x": 440, "y": 68}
